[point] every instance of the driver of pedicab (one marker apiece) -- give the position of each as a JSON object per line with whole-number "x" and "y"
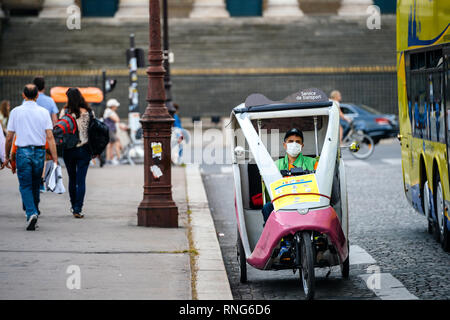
{"x": 293, "y": 144}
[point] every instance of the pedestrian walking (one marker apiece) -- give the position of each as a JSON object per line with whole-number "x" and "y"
{"x": 5, "y": 108}
{"x": 49, "y": 104}
{"x": 179, "y": 137}
{"x": 45, "y": 101}
{"x": 32, "y": 126}
{"x": 77, "y": 159}
{"x": 112, "y": 120}
{"x": 2, "y": 144}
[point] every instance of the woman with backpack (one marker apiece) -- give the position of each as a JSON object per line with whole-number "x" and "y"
{"x": 77, "y": 159}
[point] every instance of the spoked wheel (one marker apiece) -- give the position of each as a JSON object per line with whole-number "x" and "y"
{"x": 304, "y": 250}
{"x": 241, "y": 259}
{"x": 443, "y": 232}
{"x": 366, "y": 146}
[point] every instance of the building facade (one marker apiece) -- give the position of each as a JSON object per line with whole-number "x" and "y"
{"x": 197, "y": 8}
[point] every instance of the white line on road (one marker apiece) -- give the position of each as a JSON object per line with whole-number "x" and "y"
{"x": 384, "y": 285}
{"x": 387, "y": 287}
{"x": 360, "y": 256}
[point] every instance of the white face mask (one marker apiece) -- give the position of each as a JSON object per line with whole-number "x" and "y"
{"x": 293, "y": 148}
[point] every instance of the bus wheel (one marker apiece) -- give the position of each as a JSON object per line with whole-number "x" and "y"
{"x": 426, "y": 206}
{"x": 440, "y": 213}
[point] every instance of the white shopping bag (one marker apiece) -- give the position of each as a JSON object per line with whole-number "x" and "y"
{"x": 52, "y": 180}
{"x": 55, "y": 183}
{"x": 59, "y": 181}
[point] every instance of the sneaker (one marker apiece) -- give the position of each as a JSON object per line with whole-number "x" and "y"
{"x": 77, "y": 215}
{"x": 31, "y": 222}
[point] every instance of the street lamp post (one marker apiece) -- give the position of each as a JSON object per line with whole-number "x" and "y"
{"x": 167, "y": 82}
{"x": 157, "y": 209}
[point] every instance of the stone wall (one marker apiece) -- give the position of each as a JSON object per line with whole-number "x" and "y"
{"x": 217, "y": 64}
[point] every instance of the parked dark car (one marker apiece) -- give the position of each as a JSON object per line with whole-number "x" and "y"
{"x": 374, "y": 123}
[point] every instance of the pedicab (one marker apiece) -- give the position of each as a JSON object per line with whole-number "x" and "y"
{"x": 308, "y": 226}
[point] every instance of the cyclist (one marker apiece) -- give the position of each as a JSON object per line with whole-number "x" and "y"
{"x": 335, "y": 95}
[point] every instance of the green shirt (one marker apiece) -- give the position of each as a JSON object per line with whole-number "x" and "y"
{"x": 307, "y": 163}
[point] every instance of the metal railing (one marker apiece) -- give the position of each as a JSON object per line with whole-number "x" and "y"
{"x": 214, "y": 92}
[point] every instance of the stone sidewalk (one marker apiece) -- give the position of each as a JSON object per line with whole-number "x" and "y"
{"x": 114, "y": 258}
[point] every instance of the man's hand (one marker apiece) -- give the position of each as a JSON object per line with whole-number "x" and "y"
{"x": 5, "y": 164}
{"x": 52, "y": 145}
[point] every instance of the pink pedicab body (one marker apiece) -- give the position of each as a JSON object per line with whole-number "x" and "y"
{"x": 283, "y": 223}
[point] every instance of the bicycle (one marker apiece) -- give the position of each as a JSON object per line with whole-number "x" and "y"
{"x": 133, "y": 152}
{"x": 365, "y": 142}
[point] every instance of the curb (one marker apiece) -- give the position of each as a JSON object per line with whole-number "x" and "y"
{"x": 211, "y": 276}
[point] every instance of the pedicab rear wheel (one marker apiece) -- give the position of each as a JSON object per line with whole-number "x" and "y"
{"x": 306, "y": 270}
{"x": 242, "y": 259}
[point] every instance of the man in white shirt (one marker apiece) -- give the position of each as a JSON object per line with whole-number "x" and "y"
{"x": 32, "y": 126}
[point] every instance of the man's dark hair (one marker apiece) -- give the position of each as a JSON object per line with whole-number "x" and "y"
{"x": 30, "y": 91}
{"x": 39, "y": 82}
{"x": 292, "y": 132}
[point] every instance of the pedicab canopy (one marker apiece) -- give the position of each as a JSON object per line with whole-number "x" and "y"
{"x": 307, "y": 98}
{"x": 308, "y": 103}
{"x": 90, "y": 94}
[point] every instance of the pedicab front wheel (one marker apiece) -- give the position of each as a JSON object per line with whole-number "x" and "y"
{"x": 242, "y": 259}
{"x": 306, "y": 270}
{"x": 345, "y": 266}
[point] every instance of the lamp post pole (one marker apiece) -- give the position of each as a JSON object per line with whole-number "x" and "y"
{"x": 167, "y": 82}
{"x": 157, "y": 209}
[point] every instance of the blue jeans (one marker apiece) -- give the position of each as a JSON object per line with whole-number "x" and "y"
{"x": 30, "y": 164}
{"x": 77, "y": 164}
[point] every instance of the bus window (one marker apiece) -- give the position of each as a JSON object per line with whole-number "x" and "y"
{"x": 446, "y": 102}
{"x": 421, "y": 117}
{"x": 437, "y": 99}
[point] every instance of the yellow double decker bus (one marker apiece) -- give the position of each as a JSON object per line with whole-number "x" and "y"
{"x": 423, "y": 72}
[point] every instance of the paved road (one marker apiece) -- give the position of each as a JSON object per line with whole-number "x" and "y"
{"x": 386, "y": 236}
